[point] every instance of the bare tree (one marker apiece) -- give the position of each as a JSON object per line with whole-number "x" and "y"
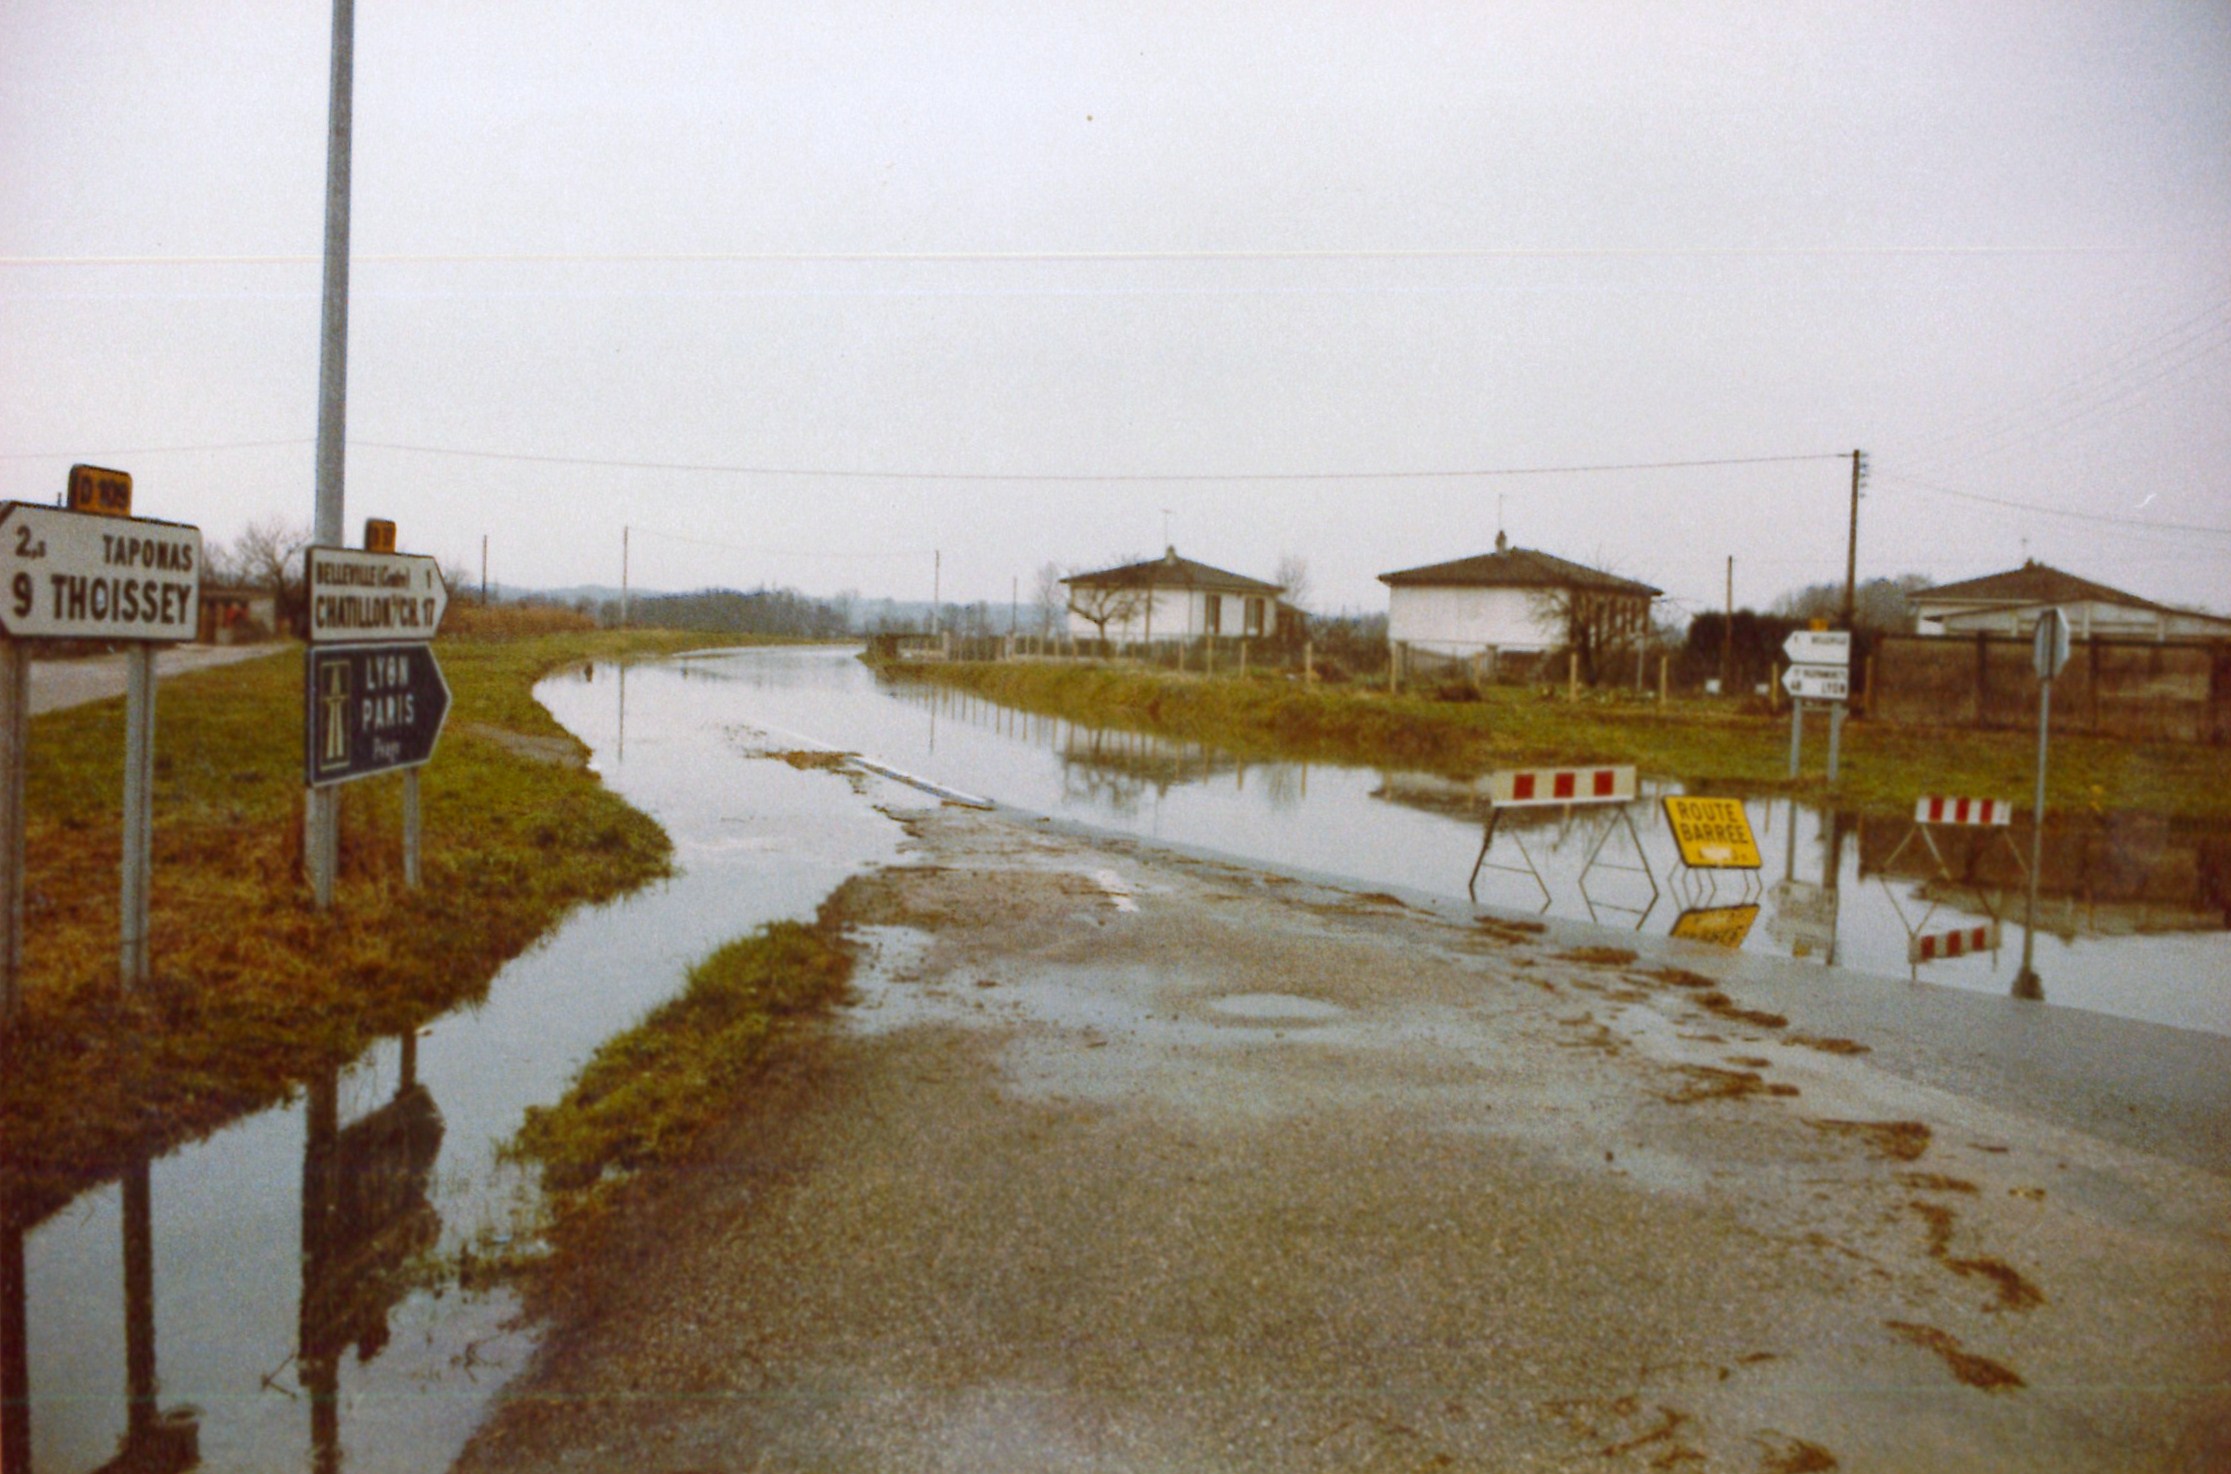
{"x": 1051, "y": 600}
{"x": 1292, "y": 576}
{"x": 1103, "y": 603}
{"x": 267, "y": 555}
{"x": 1594, "y": 624}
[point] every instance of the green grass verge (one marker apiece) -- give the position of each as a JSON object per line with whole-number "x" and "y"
{"x": 1703, "y": 745}
{"x": 254, "y": 990}
{"x": 648, "y": 1096}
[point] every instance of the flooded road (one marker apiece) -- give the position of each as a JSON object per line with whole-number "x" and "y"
{"x": 2132, "y": 923}
{"x": 283, "y": 1295}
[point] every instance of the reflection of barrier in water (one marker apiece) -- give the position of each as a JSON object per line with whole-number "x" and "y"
{"x": 1524, "y": 788}
{"x": 1990, "y": 817}
{"x": 365, "y": 1219}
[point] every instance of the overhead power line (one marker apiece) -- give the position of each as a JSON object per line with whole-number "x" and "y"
{"x": 1083, "y": 478}
{"x": 2141, "y": 523}
{"x": 145, "y": 450}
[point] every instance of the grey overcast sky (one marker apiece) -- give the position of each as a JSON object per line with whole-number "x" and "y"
{"x": 1311, "y": 251}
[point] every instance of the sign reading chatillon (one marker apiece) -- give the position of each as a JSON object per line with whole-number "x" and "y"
{"x": 366, "y": 598}
{"x": 1713, "y": 833}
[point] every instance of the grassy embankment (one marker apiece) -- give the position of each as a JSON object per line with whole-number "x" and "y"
{"x": 253, "y": 988}
{"x": 1704, "y": 745}
{"x": 648, "y": 1097}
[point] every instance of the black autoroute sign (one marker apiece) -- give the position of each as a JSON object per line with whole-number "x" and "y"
{"x": 372, "y": 709}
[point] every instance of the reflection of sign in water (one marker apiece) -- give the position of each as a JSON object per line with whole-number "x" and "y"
{"x": 1804, "y": 915}
{"x": 365, "y": 1217}
{"x": 1722, "y": 926}
{"x": 1713, "y": 833}
{"x": 1936, "y": 946}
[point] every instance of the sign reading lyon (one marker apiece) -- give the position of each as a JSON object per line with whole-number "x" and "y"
{"x": 373, "y": 708}
{"x": 359, "y": 598}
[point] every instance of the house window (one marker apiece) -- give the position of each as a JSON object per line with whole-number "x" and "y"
{"x": 1215, "y": 603}
{"x": 1254, "y": 616}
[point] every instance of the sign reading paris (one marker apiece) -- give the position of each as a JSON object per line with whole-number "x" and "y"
{"x": 362, "y": 598}
{"x": 373, "y": 708}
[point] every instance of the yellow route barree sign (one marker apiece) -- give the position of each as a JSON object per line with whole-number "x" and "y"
{"x": 1713, "y": 833}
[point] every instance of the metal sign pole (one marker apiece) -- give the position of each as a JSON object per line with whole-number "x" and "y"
{"x": 2026, "y": 982}
{"x": 1835, "y": 738}
{"x": 139, "y": 810}
{"x": 1796, "y": 731}
{"x": 410, "y": 828}
{"x": 15, "y": 732}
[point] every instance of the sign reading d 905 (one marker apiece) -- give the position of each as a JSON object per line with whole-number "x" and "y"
{"x": 74, "y": 575}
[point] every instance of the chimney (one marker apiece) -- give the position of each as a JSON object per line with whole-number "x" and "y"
{"x": 1502, "y": 543}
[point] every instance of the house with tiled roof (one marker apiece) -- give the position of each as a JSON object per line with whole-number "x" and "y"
{"x": 2009, "y": 603}
{"x": 1513, "y": 601}
{"x": 1170, "y": 598}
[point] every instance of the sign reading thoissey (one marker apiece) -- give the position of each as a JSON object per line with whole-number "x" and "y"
{"x": 76, "y": 575}
{"x": 361, "y": 598}
{"x": 373, "y": 708}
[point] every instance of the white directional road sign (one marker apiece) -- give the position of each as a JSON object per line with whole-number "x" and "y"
{"x": 1804, "y": 915}
{"x": 76, "y": 575}
{"x": 374, "y": 598}
{"x": 1818, "y": 682}
{"x": 1818, "y": 647}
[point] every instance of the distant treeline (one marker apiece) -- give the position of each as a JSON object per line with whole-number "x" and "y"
{"x": 766, "y": 611}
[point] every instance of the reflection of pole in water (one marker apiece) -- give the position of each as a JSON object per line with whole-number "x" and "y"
{"x": 320, "y": 1355}
{"x": 620, "y": 755}
{"x": 1832, "y": 869}
{"x": 15, "y": 1363}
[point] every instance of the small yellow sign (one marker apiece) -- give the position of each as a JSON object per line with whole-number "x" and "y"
{"x": 1722, "y": 926}
{"x": 379, "y": 535}
{"x": 101, "y": 491}
{"x": 1713, "y": 833}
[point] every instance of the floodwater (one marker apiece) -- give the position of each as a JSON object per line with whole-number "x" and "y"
{"x": 282, "y": 1294}
{"x": 2131, "y": 921}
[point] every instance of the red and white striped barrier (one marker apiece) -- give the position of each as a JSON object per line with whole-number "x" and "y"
{"x": 1936, "y": 946}
{"x": 1995, "y": 812}
{"x": 1519, "y": 788}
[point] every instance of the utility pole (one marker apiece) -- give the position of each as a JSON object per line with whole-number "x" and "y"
{"x": 484, "y": 570}
{"x": 623, "y": 577}
{"x": 321, "y": 809}
{"x": 937, "y": 585}
{"x": 1851, "y": 545}
{"x": 1727, "y": 630}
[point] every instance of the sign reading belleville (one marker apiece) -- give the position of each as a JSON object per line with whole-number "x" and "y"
{"x": 361, "y": 597}
{"x": 77, "y": 575}
{"x": 373, "y": 708}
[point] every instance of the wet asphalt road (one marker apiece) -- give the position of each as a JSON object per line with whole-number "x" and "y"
{"x": 1126, "y": 1160}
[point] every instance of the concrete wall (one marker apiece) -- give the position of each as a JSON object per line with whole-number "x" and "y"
{"x": 1449, "y": 620}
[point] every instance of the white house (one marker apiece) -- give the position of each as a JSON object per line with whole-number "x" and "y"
{"x": 1512, "y": 601}
{"x": 2009, "y": 604}
{"x": 1170, "y": 598}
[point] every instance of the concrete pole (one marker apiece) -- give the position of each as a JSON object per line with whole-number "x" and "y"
{"x": 139, "y": 811}
{"x": 1796, "y": 733}
{"x": 322, "y": 806}
{"x": 1835, "y": 737}
{"x": 623, "y": 577}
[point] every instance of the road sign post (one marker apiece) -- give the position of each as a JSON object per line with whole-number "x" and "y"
{"x": 1819, "y": 670}
{"x": 94, "y": 573}
{"x": 366, "y": 597}
{"x": 2050, "y": 654}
